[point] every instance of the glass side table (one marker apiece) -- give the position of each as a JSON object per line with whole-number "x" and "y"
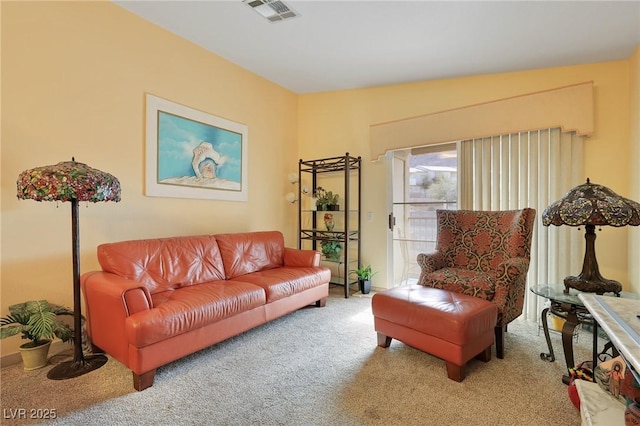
{"x": 569, "y": 307}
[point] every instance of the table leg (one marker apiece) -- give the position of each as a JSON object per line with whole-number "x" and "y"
{"x": 545, "y": 326}
{"x": 567, "y": 341}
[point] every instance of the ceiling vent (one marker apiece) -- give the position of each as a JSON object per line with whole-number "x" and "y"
{"x": 272, "y": 10}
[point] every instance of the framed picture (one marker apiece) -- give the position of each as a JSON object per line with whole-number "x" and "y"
{"x": 192, "y": 154}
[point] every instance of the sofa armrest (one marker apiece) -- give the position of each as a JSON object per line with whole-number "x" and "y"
{"x": 123, "y": 295}
{"x": 109, "y": 300}
{"x": 295, "y": 257}
{"x": 511, "y": 278}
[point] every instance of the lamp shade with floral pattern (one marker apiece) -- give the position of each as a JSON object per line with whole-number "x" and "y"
{"x": 66, "y": 181}
{"x": 592, "y": 205}
{"x": 74, "y": 182}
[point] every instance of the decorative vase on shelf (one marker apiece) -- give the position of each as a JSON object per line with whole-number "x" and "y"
{"x": 329, "y": 222}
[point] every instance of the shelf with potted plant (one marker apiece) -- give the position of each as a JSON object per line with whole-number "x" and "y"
{"x": 338, "y": 262}
{"x": 326, "y": 200}
{"x": 332, "y": 223}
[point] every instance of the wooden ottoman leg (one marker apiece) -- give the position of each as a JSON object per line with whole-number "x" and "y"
{"x": 384, "y": 341}
{"x": 485, "y": 355}
{"x": 455, "y": 372}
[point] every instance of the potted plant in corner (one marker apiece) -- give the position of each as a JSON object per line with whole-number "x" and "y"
{"x": 38, "y": 322}
{"x": 326, "y": 200}
{"x": 364, "y": 274}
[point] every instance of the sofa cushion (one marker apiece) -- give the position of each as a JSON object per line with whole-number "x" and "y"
{"x": 286, "y": 281}
{"x": 163, "y": 264}
{"x": 244, "y": 253}
{"x": 191, "y": 308}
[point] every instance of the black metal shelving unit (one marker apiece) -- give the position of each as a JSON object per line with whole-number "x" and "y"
{"x": 348, "y": 233}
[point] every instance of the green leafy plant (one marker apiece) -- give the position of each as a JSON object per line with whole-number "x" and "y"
{"x": 325, "y": 198}
{"x": 331, "y": 249}
{"x": 38, "y": 322}
{"x": 364, "y": 273}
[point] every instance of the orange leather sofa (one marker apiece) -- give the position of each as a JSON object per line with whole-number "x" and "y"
{"x": 158, "y": 300}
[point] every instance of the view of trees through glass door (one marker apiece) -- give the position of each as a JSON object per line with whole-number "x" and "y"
{"x": 424, "y": 180}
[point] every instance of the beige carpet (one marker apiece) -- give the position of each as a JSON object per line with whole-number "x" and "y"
{"x": 317, "y": 366}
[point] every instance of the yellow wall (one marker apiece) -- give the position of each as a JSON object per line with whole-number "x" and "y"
{"x": 74, "y": 76}
{"x": 334, "y": 122}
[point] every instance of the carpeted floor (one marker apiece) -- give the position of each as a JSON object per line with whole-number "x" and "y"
{"x": 317, "y": 366}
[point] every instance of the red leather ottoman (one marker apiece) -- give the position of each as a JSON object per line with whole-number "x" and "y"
{"x": 452, "y": 326}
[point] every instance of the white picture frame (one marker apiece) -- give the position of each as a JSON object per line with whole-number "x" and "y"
{"x": 193, "y": 154}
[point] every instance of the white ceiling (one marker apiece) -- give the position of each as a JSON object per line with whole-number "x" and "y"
{"x": 338, "y": 45}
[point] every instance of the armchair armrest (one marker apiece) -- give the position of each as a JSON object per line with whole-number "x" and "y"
{"x": 295, "y": 257}
{"x": 511, "y": 277}
{"x": 430, "y": 262}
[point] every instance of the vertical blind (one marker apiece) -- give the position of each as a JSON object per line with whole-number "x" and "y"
{"x": 528, "y": 169}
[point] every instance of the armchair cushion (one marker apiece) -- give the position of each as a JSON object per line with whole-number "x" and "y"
{"x": 465, "y": 281}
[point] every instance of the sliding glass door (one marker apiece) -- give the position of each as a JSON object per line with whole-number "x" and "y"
{"x": 424, "y": 179}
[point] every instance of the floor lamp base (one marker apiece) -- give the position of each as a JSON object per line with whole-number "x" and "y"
{"x": 71, "y": 369}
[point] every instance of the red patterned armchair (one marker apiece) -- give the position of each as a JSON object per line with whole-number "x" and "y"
{"x": 484, "y": 254}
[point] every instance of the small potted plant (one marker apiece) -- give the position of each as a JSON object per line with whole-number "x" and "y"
{"x": 326, "y": 200}
{"x": 331, "y": 249}
{"x": 38, "y": 322}
{"x": 364, "y": 274}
